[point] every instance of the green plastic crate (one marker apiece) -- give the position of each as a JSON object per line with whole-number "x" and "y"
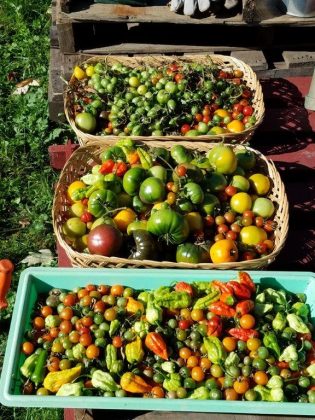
{"x": 38, "y": 280}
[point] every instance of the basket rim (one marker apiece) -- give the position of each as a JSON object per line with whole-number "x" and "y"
{"x": 247, "y": 133}
{"x": 102, "y": 260}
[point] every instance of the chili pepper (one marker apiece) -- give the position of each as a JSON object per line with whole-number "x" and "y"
{"x": 6, "y": 270}
{"x": 204, "y": 302}
{"x": 242, "y": 333}
{"x": 240, "y": 290}
{"x": 245, "y": 278}
{"x": 133, "y": 157}
{"x": 156, "y": 344}
{"x": 114, "y": 327}
{"x": 184, "y": 287}
{"x": 120, "y": 168}
{"x": 54, "y": 380}
{"x": 134, "y": 306}
{"x": 86, "y": 217}
{"x": 104, "y": 381}
{"x": 244, "y": 307}
{"x": 223, "y": 287}
{"x": 39, "y": 371}
{"x": 227, "y": 298}
{"x": 222, "y": 309}
{"x": 134, "y": 352}
{"x": 214, "y": 326}
{"x": 271, "y": 342}
{"x": 107, "y": 167}
{"x": 112, "y": 363}
{"x": 134, "y": 383}
{"x": 282, "y": 365}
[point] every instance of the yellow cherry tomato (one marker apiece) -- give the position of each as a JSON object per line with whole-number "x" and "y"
{"x": 79, "y": 73}
{"x": 195, "y": 221}
{"x": 217, "y": 130}
{"x": 124, "y": 218}
{"x": 89, "y": 71}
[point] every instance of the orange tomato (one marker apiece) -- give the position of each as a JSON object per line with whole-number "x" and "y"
{"x": 260, "y": 377}
{"x": 229, "y": 343}
{"x": 247, "y": 321}
{"x": 92, "y": 352}
{"x": 27, "y": 348}
{"x": 241, "y": 385}
{"x": 197, "y": 374}
{"x": 235, "y": 126}
{"x": 224, "y": 250}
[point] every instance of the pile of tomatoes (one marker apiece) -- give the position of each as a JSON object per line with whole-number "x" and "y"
{"x": 178, "y": 205}
{"x": 188, "y": 99}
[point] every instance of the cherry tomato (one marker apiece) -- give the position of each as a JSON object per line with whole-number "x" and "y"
{"x": 209, "y": 220}
{"x": 185, "y": 353}
{"x": 65, "y": 327}
{"x": 260, "y": 377}
{"x": 246, "y": 94}
{"x": 192, "y": 361}
{"x": 69, "y": 300}
{"x": 197, "y": 374}
{"x": 27, "y": 348}
{"x": 230, "y": 394}
{"x": 248, "y": 110}
{"x": 197, "y": 315}
{"x": 231, "y": 235}
{"x": 198, "y": 117}
{"x": 179, "y": 77}
{"x": 247, "y": 321}
{"x": 117, "y": 290}
{"x": 241, "y": 385}
{"x": 223, "y": 74}
{"x": 185, "y": 128}
{"x": 230, "y": 190}
{"x": 66, "y": 313}
{"x": 53, "y": 364}
{"x": 184, "y": 324}
{"x": 117, "y": 341}
{"x": 229, "y": 343}
{"x": 92, "y": 352}
{"x": 157, "y": 392}
{"x": 253, "y": 344}
{"x": 181, "y": 170}
{"x": 86, "y": 340}
{"x": 238, "y": 73}
{"x": 237, "y": 108}
{"x": 46, "y": 310}
{"x": 39, "y": 322}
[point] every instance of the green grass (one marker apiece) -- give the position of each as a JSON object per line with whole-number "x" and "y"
{"x": 25, "y": 133}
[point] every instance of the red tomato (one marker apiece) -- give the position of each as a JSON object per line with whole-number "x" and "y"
{"x": 198, "y": 117}
{"x": 185, "y": 128}
{"x": 173, "y": 67}
{"x": 86, "y": 217}
{"x": 244, "y": 102}
{"x": 246, "y": 94}
{"x": 179, "y": 77}
{"x": 184, "y": 324}
{"x": 248, "y": 110}
{"x": 238, "y": 107}
{"x": 206, "y": 111}
{"x": 120, "y": 168}
{"x": 223, "y": 75}
{"x": 206, "y": 119}
{"x": 236, "y": 81}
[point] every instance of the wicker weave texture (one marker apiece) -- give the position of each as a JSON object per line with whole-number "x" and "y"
{"x": 85, "y": 157}
{"x": 225, "y": 62}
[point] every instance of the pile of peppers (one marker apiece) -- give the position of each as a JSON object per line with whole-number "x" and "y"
{"x": 212, "y": 340}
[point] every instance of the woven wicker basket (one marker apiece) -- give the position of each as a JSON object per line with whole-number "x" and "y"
{"x": 225, "y": 62}
{"x": 85, "y": 157}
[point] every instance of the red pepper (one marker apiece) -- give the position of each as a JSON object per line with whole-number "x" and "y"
{"x": 222, "y": 309}
{"x": 223, "y": 287}
{"x": 227, "y": 298}
{"x": 156, "y": 344}
{"x": 6, "y": 270}
{"x": 85, "y": 201}
{"x": 184, "y": 287}
{"x": 120, "y": 168}
{"x": 245, "y": 278}
{"x": 240, "y": 290}
{"x": 107, "y": 167}
{"x": 244, "y": 307}
{"x": 214, "y": 326}
{"x": 86, "y": 217}
{"x": 242, "y": 333}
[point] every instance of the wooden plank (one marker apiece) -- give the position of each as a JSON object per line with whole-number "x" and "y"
{"x": 299, "y": 58}
{"x": 255, "y": 59}
{"x": 269, "y": 14}
{"x": 65, "y": 36}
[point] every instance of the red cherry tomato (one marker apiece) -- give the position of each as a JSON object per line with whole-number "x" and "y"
{"x": 179, "y": 77}
{"x": 184, "y": 324}
{"x": 198, "y": 117}
{"x": 238, "y": 107}
{"x": 185, "y": 128}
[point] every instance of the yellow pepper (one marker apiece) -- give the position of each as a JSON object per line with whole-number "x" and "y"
{"x": 133, "y": 306}
{"x": 134, "y": 383}
{"x": 134, "y": 352}
{"x": 55, "y": 380}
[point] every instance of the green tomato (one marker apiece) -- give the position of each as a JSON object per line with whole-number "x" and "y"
{"x": 223, "y": 159}
{"x": 142, "y": 90}
{"x": 210, "y": 204}
{"x": 159, "y": 172}
{"x": 193, "y": 192}
{"x": 246, "y": 159}
{"x": 162, "y": 97}
{"x": 214, "y": 182}
{"x": 134, "y": 81}
{"x": 171, "y": 87}
{"x": 132, "y": 180}
{"x": 189, "y": 253}
{"x": 138, "y": 205}
{"x": 263, "y": 207}
{"x": 192, "y": 133}
{"x": 74, "y": 227}
{"x": 100, "y": 201}
{"x": 240, "y": 182}
{"x": 180, "y": 154}
{"x": 184, "y": 205}
{"x": 171, "y": 104}
{"x": 152, "y": 190}
{"x": 202, "y": 128}
{"x": 170, "y": 225}
{"x": 86, "y": 122}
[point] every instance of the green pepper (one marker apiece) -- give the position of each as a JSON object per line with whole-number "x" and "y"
{"x": 173, "y": 382}
{"x": 146, "y": 246}
{"x": 301, "y": 309}
{"x": 271, "y": 342}
{"x": 193, "y": 192}
{"x": 99, "y": 185}
{"x": 145, "y": 158}
{"x": 279, "y": 322}
{"x": 180, "y": 154}
{"x": 141, "y": 328}
{"x": 134, "y": 351}
{"x": 168, "y": 367}
{"x": 38, "y": 374}
{"x": 91, "y": 179}
{"x": 71, "y": 390}
{"x": 112, "y": 363}
{"x": 160, "y": 153}
{"x": 78, "y": 351}
{"x": 114, "y": 152}
{"x": 232, "y": 360}
{"x": 289, "y": 353}
{"x": 114, "y": 327}
{"x": 173, "y": 300}
{"x": 113, "y": 183}
{"x": 102, "y": 201}
{"x": 215, "y": 350}
{"x": 200, "y": 393}
{"x": 28, "y": 366}
{"x": 297, "y": 324}
{"x": 79, "y": 194}
{"x": 204, "y": 302}
{"x": 275, "y": 394}
{"x": 126, "y": 142}
{"x": 104, "y": 381}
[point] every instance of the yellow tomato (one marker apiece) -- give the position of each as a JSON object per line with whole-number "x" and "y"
{"x": 195, "y": 221}
{"x": 124, "y": 218}
{"x": 236, "y": 126}
{"x": 224, "y": 251}
{"x": 79, "y": 73}
{"x": 260, "y": 183}
{"x": 241, "y": 202}
{"x": 73, "y": 187}
{"x": 222, "y": 113}
{"x": 158, "y": 206}
{"x": 252, "y": 235}
{"x": 77, "y": 209}
{"x": 89, "y": 71}
{"x": 217, "y": 130}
